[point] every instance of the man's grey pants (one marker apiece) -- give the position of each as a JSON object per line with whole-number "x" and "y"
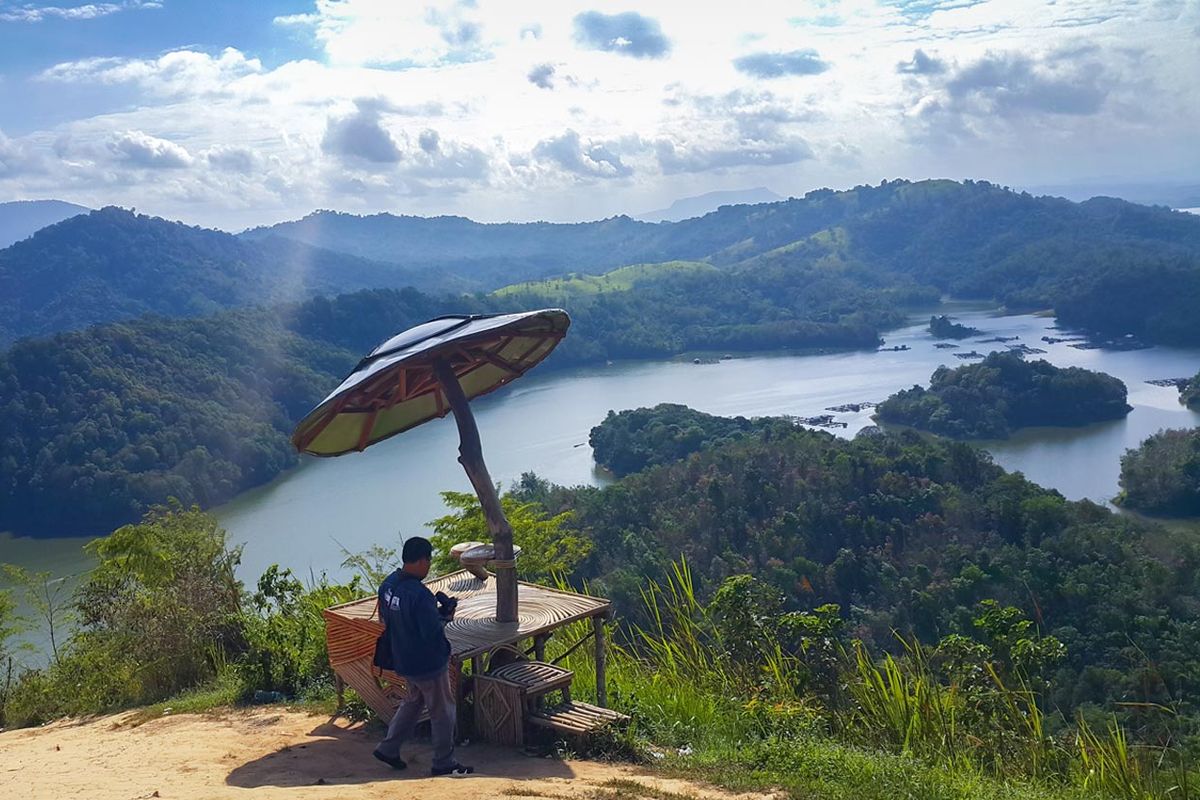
{"x": 435, "y": 693}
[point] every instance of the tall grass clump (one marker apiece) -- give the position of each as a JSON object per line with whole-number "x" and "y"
{"x": 760, "y": 696}
{"x": 907, "y": 709}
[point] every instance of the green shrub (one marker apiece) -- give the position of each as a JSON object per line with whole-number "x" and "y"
{"x": 285, "y": 634}
{"x": 158, "y": 614}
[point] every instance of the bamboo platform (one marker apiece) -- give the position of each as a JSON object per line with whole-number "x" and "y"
{"x": 577, "y": 718}
{"x": 352, "y": 629}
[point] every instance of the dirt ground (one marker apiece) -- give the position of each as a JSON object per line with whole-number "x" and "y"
{"x": 273, "y": 753}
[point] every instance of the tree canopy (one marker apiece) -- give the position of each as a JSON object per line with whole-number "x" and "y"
{"x": 1004, "y": 392}
{"x": 1162, "y": 474}
{"x": 906, "y": 534}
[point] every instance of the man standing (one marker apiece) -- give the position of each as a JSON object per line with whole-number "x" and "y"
{"x": 421, "y": 655}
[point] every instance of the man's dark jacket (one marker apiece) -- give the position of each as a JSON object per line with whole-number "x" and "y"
{"x": 414, "y": 627}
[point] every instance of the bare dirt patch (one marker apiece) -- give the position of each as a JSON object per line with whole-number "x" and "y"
{"x": 269, "y": 753}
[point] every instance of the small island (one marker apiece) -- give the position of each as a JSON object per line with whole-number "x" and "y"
{"x": 942, "y": 327}
{"x": 1162, "y": 475}
{"x": 1002, "y": 393}
{"x": 1189, "y": 393}
{"x": 633, "y": 440}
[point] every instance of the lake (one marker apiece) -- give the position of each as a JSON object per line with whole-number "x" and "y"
{"x": 309, "y": 516}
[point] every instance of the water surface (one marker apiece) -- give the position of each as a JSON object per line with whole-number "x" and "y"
{"x": 308, "y": 516}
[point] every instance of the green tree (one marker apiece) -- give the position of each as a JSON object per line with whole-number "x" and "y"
{"x": 1162, "y": 475}
{"x": 49, "y": 598}
{"x": 160, "y": 613}
{"x": 285, "y": 633}
{"x": 10, "y": 624}
{"x": 163, "y": 600}
{"x": 549, "y": 547}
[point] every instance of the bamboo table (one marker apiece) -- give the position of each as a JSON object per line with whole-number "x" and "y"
{"x": 352, "y": 629}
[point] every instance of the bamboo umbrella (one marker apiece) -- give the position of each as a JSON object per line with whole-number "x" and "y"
{"x": 427, "y": 372}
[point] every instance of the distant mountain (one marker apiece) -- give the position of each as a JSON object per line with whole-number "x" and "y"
{"x": 112, "y": 264}
{"x": 1172, "y": 195}
{"x": 489, "y": 255}
{"x": 971, "y": 239}
{"x": 688, "y": 207}
{"x": 498, "y": 254}
{"x": 20, "y": 219}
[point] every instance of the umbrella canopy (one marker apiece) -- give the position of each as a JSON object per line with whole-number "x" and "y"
{"x": 427, "y": 372}
{"x": 396, "y": 387}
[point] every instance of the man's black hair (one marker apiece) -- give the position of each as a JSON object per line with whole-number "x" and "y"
{"x": 416, "y": 549}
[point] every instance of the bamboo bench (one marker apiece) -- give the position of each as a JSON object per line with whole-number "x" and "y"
{"x": 507, "y": 696}
{"x": 511, "y": 695}
{"x": 575, "y": 717}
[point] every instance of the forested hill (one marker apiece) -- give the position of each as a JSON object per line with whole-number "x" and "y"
{"x": 112, "y": 264}
{"x": 967, "y": 239}
{"x": 970, "y": 239}
{"x": 497, "y": 253}
{"x": 96, "y": 425}
{"x": 908, "y": 535}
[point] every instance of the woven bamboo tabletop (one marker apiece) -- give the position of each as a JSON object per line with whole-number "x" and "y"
{"x": 474, "y": 629}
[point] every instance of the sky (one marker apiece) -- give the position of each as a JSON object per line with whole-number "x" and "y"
{"x": 235, "y": 113}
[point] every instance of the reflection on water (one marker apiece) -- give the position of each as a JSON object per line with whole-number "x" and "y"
{"x": 305, "y": 518}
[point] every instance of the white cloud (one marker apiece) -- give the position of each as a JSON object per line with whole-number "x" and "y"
{"x": 178, "y": 72}
{"x": 781, "y": 65}
{"x": 627, "y": 34}
{"x": 140, "y": 149}
{"x": 386, "y": 32}
{"x": 232, "y": 159}
{"x": 542, "y": 76}
{"x": 675, "y": 157}
{"x": 589, "y": 159}
{"x": 16, "y": 158}
{"x": 36, "y": 13}
{"x": 921, "y": 63}
{"x": 435, "y": 158}
{"x": 360, "y": 135}
{"x": 501, "y": 108}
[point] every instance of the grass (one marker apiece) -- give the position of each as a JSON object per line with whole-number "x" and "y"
{"x": 623, "y": 279}
{"x": 220, "y": 695}
{"x": 614, "y": 789}
{"x": 225, "y": 693}
{"x": 623, "y": 788}
{"x": 818, "y": 768}
{"x": 900, "y": 732}
{"x": 895, "y": 728}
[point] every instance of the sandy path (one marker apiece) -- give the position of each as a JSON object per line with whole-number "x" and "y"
{"x": 266, "y": 753}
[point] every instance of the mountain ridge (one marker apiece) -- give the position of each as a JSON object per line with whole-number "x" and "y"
{"x": 699, "y": 205}
{"x": 112, "y": 264}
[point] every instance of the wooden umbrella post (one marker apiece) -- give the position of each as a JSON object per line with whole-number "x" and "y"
{"x": 470, "y": 455}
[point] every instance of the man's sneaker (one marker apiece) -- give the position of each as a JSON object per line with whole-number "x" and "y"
{"x": 394, "y": 763}
{"x": 453, "y": 771}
